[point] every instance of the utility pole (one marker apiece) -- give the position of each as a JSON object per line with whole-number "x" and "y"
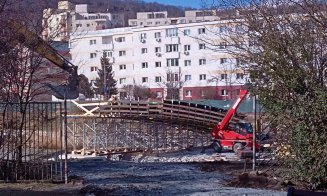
{"x": 254, "y": 130}
{"x": 105, "y": 80}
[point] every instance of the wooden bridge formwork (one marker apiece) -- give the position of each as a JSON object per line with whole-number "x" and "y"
{"x": 142, "y": 126}
{"x": 105, "y": 135}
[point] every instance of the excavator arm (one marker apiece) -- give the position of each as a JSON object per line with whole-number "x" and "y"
{"x": 35, "y": 43}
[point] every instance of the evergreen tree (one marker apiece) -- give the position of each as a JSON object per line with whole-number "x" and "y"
{"x": 105, "y": 83}
{"x": 85, "y": 87}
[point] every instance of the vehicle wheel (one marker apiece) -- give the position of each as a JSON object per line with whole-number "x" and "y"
{"x": 237, "y": 146}
{"x": 216, "y": 146}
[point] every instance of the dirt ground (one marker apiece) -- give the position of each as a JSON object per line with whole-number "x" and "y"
{"x": 180, "y": 173}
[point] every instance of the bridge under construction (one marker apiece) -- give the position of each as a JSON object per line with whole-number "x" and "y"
{"x": 132, "y": 126}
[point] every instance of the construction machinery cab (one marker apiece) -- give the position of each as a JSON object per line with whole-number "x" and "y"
{"x": 244, "y": 128}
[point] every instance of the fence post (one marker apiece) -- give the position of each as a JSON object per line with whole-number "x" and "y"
{"x": 65, "y": 138}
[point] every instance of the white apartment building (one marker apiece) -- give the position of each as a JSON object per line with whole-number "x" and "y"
{"x": 150, "y": 19}
{"x": 153, "y": 56}
{"x": 69, "y": 18}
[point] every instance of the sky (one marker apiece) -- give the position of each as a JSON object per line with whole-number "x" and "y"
{"x": 184, "y": 3}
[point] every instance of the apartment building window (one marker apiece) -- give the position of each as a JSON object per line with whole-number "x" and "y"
{"x": 158, "y": 79}
{"x": 187, "y": 47}
{"x": 159, "y": 94}
{"x": 157, "y": 22}
{"x": 120, "y": 39}
{"x": 143, "y": 35}
{"x": 157, "y": 49}
{"x": 122, "y": 95}
{"x": 188, "y": 77}
{"x": 187, "y": 63}
{"x": 78, "y": 25}
{"x": 202, "y": 93}
{"x": 203, "y": 77}
{"x": 121, "y": 67}
{"x": 202, "y": 46}
{"x": 93, "y": 42}
{"x": 223, "y": 60}
{"x": 172, "y": 62}
{"x": 157, "y": 34}
{"x": 122, "y": 53}
{"x": 149, "y": 23}
{"x": 224, "y": 92}
{"x": 172, "y": 32}
{"x": 188, "y": 93}
{"x": 187, "y": 32}
{"x": 223, "y": 76}
{"x": 144, "y": 50}
{"x": 93, "y": 55}
{"x": 93, "y": 68}
{"x": 160, "y": 15}
{"x": 145, "y": 65}
{"x": 239, "y": 75}
{"x": 222, "y": 45}
{"x": 158, "y": 64}
{"x": 222, "y": 29}
{"x": 145, "y": 79}
{"x": 202, "y": 61}
{"x": 172, "y": 77}
{"x": 122, "y": 80}
{"x": 107, "y": 53}
{"x": 201, "y": 31}
{"x": 172, "y": 48}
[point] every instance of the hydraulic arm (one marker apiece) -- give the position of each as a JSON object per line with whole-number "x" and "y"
{"x": 33, "y": 42}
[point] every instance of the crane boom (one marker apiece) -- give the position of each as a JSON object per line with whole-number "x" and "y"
{"x": 35, "y": 43}
{"x": 224, "y": 122}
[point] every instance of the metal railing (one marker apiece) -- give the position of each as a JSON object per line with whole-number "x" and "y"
{"x": 31, "y": 142}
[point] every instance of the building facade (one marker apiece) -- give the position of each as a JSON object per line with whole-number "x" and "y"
{"x": 150, "y": 19}
{"x": 189, "y": 57}
{"x": 69, "y": 18}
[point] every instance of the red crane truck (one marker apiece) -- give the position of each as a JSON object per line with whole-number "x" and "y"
{"x": 233, "y": 138}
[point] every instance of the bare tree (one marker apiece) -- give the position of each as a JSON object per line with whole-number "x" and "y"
{"x": 24, "y": 73}
{"x": 173, "y": 83}
{"x": 283, "y": 47}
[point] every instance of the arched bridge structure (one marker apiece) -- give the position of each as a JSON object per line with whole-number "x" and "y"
{"x": 132, "y": 126}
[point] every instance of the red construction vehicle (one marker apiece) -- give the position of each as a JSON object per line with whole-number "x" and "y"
{"x": 234, "y": 137}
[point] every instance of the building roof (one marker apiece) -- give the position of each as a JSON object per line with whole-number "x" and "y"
{"x": 245, "y": 107}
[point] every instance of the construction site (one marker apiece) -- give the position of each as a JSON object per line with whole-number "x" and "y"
{"x": 125, "y": 147}
{"x": 136, "y": 133}
{"x": 89, "y": 142}
{"x": 152, "y": 144}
